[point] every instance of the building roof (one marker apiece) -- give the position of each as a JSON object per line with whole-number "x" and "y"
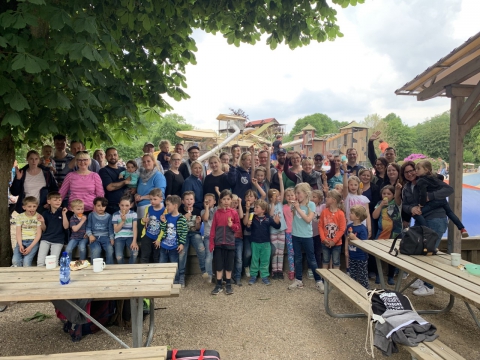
{"x": 354, "y": 124}
{"x": 308, "y": 127}
{"x": 226, "y": 117}
{"x": 260, "y": 122}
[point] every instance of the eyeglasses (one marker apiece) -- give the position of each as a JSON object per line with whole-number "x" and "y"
{"x": 80, "y": 160}
{"x": 379, "y": 164}
{"x": 318, "y": 159}
{"x": 408, "y": 172}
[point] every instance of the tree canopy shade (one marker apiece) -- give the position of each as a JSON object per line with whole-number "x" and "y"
{"x": 322, "y": 123}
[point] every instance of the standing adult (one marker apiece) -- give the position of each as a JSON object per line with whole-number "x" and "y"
{"x": 240, "y": 175}
{"x": 173, "y": 177}
{"x": 75, "y": 148}
{"x": 390, "y": 154}
{"x": 381, "y": 178}
{"x": 148, "y": 148}
{"x": 443, "y": 167}
{"x": 61, "y": 158}
{"x": 217, "y": 180}
{"x": 263, "y": 159}
{"x": 274, "y": 181}
{"x": 277, "y": 145}
{"x": 99, "y": 155}
{"x": 236, "y": 152}
{"x": 335, "y": 175}
{"x": 193, "y": 154}
{"x": 393, "y": 175}
{"x": 224, "y": 158}
{"x": 114, "y": 187}
{"x": 32, "y": 180}
{"x": 149, "y": 178}
{"x": 318, "y": 162}
{"x": 352, "y": 166}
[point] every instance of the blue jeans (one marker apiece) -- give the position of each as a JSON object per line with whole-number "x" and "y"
{"x": 102, "y": 242}
{"x": 208, "y": 255}
{"x": 333, "y": 252}
{"x": 82, "y": 247}
{"x": 247, "y": 251}
{"x": 170, "y": 256}
{"x": 19, "y": 259}
{"x": 237, "y": 270}
{"x": 120, "y": 244}
{"x": 439, "y": 225}
{"x": 305, "y": 244}
{"x": 197, "y": 242}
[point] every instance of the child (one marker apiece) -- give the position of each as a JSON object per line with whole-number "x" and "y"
{"x": 288, "y": 215}
{"x": 357, "y": 260}
{"x": 125, "y": 229}
{"x": 304, "y": 211}
{"x": 339, "y": 188}
{"x": 29, "y": 231}
{"x": 250, "y": 197}
{"x": 100, "y": 231}
{"x": 207, "y": 218}
{"x": 261, "y": 183}
{"x": 130, "y": 173}
{"x": 46, "y": 159}
{"x": 277, "y": 236}
{"x": 260, "y": 240}
{"x": 427, "y": 182}
{"x": 53, "y": 234}
{"x": 78, "y": 228}
{"x": 151, "y": 231}
{"x": 174, "y": 230}
{"x": 194, "y": 185}
{"x": 237, "y": 270}
{"x": 222, "y": 241}
{"x": 194, "y": 221}
{"x": 331, "y": 228}
{"x": 164, "y": 155}
{"x": 388, "y": 212}
{"x": 317, "y": 198}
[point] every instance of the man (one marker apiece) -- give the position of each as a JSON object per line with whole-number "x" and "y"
{"x": 263, "y": 159}
{"x": 179, "y": 149}
{"x": 277, "y": 145}
{"x": 61, "y": 158}
{"x": 114, "y": 188}
{"x": 318, "y": 162}
{"x": 236, "y": 153}
{"x": 352, "y": 166}
{"x": 390, "y": 154}
{"x": 383, "y": 145}
{"x": 75, "y": 147}
{"x": 193, "y": 154}
{"x": 148, "y": 148}
{"x": 281, "y": 158}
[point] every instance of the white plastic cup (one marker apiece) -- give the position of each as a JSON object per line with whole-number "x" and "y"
{"x": 51, "y": 261}
{"x": 456, "y": 258}
{"x": 98, "y": 265}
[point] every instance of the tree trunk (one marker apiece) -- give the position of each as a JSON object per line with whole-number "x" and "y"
{"x": 7, "y": 149}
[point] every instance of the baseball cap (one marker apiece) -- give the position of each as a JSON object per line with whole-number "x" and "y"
{"x": 148, "y": 143}
{"x": 283, "y": 151}
{"x": 194, "y": 147}
{"x": 318, "y": 155}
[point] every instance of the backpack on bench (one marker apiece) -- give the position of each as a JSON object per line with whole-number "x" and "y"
{"x": 416, "y": 240}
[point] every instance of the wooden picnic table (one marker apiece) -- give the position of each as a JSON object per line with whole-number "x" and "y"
{"x": 115, "y": 282}
{"x": 436, "y": 270}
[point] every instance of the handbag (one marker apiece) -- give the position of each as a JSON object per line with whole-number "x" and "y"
{"x": 416, "y": 240}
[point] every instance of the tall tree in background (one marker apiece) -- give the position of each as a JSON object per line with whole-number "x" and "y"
{"x": 434, "y": 136}
{"x": 400, "y": 136}
{"x": 322, "y": 123}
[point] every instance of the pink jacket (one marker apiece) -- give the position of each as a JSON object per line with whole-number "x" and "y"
{"x": 82, "y": 187}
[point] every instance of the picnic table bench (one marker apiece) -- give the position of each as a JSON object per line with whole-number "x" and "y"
{"x": 357, "y": 294}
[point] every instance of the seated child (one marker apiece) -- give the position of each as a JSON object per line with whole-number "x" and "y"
{"x": 78, "y": 226}
{"x": 125, "y": 229}
{"x": 357, "y": 260}
{"x": 100, "y": 230}
{"x": 130, "y": 173}
{"x": 46, "y": 159}
{"x": 427, "y": 182}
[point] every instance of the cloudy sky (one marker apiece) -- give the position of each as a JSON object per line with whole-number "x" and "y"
{"x": 386, "y": 43}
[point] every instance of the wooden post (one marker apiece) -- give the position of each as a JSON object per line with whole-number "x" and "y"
{"x": 455, "y": 174}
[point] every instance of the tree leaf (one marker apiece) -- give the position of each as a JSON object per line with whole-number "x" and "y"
{"x": 18, "y": 62}
{"x": 31, "y": 65}
{"x": 17, "y": 101}
{"x": 12, "y": 118}
{"x": 37, "y": 2}
{"x": 3, "y": 42}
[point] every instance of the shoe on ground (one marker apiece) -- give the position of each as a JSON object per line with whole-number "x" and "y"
{"x": 218, "y": 289}
{"x": 247, "y": 272}
{"x": 464, "y": 233}
{"x": 266, "y": 281}
{"x": 291, "y": 275}
{"x": 182, "y": 281}
{"x": 207, "y": 278}
{"x": 252, "y": 280}
{"x": 280, "y": 275}
{"x": 274, "y": 276}
{"x": 390, "y": 281}
{"x": 238, "y": 282}
{"x": 371, "y": 275}
{"x": 297, "y": 284}
{"x": 395, "y": 274}
{"x": 229, "y": 290}
{"x": 424, "y": 291}
{"x": 405, "y": 276}
{"x": 377, "y": 279}
{"x": 310, "y": 274}
{"x": 417, "y": 284}
{"x": 320, "y": 287}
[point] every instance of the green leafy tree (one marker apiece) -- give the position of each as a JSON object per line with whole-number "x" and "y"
{"x": 400, "y": 136}
{"x": 85, "y": 68}
{"x": 472, "y": 145}
{"x": 322, "y": 123}
{"x": 435, "y": 136}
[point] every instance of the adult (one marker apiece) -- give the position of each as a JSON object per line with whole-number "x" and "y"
{"x": 443, "y": 167}
{"x": 236, "y": 152}
{"x": 293, "y": 167}
{"x": 99, "y": 155}
{"x": 173, "y": 177}
{"x": 335, "y": 175}
{"x": 390, "y": 154}
{"x": 149, "y": 178}
{"x": 32, "y": 180}
{"x": 240, "y": 175}
{"x": 393, "y": 175}
{"x": 217, "y": 180}
{"x": 263, "y": 159}
{"x": 383, "y": 145}
{"x": 114, "y": 187}
{"x": 372, "y": 192}
{"x": 61, "y": 158}
{"x": 180, "y": 149}
{"x": 148, "y": 148}
{"x": 82, "y": 184}
{"x": 318, "y": 162}
{"x": 193, "y": 154}
{"x": 352, "y": 166}
{"x": 164, "y": 154}
{"x": 75, "y": 148}
{"x": 307, "y": 174}
{"x": 436, "y": 218}
{"x": 381, "y": 165}
{"x": 224, "y": 158}
{"x": 274, "y": 181}
{"x": 277, "y": 145}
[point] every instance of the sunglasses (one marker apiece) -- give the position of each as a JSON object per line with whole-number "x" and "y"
{"x": 82, "y": 152}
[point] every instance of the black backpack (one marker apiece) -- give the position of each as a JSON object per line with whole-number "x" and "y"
{"x": 416, "y": 240}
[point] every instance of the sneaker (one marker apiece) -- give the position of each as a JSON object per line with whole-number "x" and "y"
{"x": 252, "y": 280}
{"x": 266, "y": 281}
{"x": 238, "y": 282}
{"x": 310, "y": 274}
{"x": 280, "y": 275}
{"x": 464, "y": 233}
{"x": 182, "y": 281}
{"x": 372, "y": 275}
{"x": 417, "y": 284}
{"x": 297, "y": 284}
{"x": 247, "y": 272}
{"x": 274, "y": 276}
{"x": 405, "y": 276}
{"x": 291, "y": 275}
{"x": 218, "y": 289}
{"x": 206, "y": 277}
{"x": 229, "y": 290}
{"x": 390, "y": 281}
{"x": 320, "y": 286}
{"x": 424, "y": 291}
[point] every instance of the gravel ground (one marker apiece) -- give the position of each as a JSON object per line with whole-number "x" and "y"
{"x": 256, "y": 322}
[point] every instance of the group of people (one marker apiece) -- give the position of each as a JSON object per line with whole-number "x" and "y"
{"x": 240, "y": 215}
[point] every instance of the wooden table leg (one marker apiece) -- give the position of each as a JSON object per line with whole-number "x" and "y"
{"x": 136, "y": 307}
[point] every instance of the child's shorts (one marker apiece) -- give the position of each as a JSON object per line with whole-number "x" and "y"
{"x": 224, "y": 259}
{"x": 333, "y": 253}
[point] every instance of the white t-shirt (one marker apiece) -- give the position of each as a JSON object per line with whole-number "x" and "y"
{"x": 33, "y": 184}
{"x": 352, "y": 200}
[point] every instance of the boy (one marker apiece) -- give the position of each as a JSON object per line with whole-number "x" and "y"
{"x": 125, "y": 228}
{"x": 358, "y": 259}
{"x": 28, "y": 233}
{"x": 174, "y": 229}
{"x": 151, "y": 231}
{"x": 194, "y": 221}
{"x": 237, "y": 270}
{"x": 100, "y": 230}
{"x": 194, "y": 184}
{"x": 53, "y": 233}
{"x": 78, "y": 228}
{"x": 46, "y": 159}
{"x": 207, "y": 218}
{"x": 260, "y": 240}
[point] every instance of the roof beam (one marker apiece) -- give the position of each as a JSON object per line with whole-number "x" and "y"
{"x": 469, "y": 105}
{"x": 457, "y": 77}
{"x": 471, "y": 121}
{"x": 459, "y": 90}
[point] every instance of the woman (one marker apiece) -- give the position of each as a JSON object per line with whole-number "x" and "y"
{"x": 216, "y": 181}
{"x": 335, "y": 175}
{"x": 99, "y": 155}
{"x": 82, "y": 184}
{"x": 393, "y": 175}
{"x": 293, "y": 173}
{"x": 381, "y": 165}
{"x": 307, "y": 175}
{"x": 149, "y": 178}
{"x": 239, "y": 177}
{"x": 173, "y": 177}
{"x": 33, "y": 180}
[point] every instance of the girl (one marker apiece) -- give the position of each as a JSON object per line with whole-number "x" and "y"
{"x": 237, "y": 270}
{"x": 222, "y": 241}
{"x": 331, "y": 228}
{"x": 250, "y": 197}
{"x": 125, "y": 229}
{"x": 317, "y": 198}
{"x": 216, "y": 178}
{"x": 260, "y": 182}
{"x": 277, "y": 236}
{"x": 388, "y": 213}
{"x": 239, "y": 177}
{"x": 304, "y": 211}
{"x": 288, "y": 215}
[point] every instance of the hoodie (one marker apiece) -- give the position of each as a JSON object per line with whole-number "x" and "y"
{"x": 240, "y": 181}
{"x": 220, "y": 233}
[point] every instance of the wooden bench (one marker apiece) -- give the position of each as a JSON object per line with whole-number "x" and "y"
{"x": 357, "y": 294}
{"x": 157, "y": 353}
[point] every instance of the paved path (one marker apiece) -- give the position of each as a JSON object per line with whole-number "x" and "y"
{"x": 472, "y": 179}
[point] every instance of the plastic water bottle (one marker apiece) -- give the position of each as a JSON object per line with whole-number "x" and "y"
{"x": 64, "y": 268}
